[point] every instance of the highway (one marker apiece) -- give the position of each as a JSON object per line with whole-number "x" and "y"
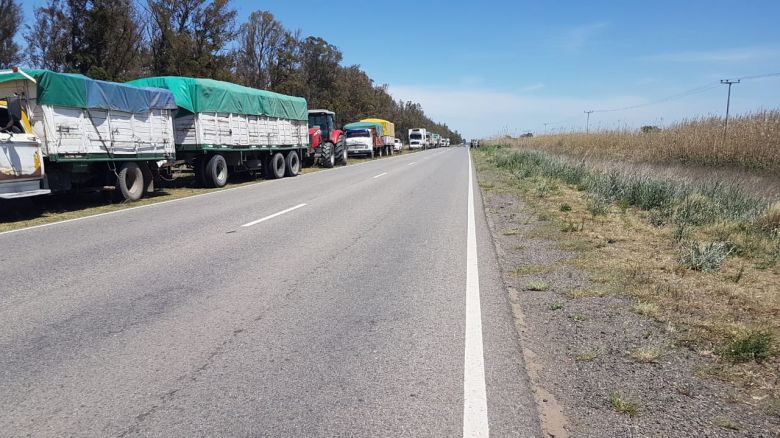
{"x": 346, "y": 302}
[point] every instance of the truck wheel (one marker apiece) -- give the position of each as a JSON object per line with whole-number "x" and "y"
{"x": 327, "y": 155}
{"x": 380, "y": 152}
{"x": 276, "y": 166}
{"x": 292, "y": 164}
{"x": 217, "y": 171}
{"x": 130, "y": 181}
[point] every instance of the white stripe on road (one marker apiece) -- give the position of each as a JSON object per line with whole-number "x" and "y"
{"x": 249, "y": 224}
{"x": 475, "y": 416}
{"x": 381, "y": 174}
{"x": 412, "y": 163}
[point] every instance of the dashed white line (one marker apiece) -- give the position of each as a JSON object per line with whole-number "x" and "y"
{"x": 412, "y": 163}
{"x": 475, "y": 416}
{"x": 381, "y": 174}
{"x": 249, "y": 224}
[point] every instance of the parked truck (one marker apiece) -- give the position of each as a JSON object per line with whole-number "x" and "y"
{"x": 365, "y": 138}
{"x": 388, "y": 136}
{"x": 418, "y": 138}
{"x": 66, "y": 131}
{"x": 222, "y": 128}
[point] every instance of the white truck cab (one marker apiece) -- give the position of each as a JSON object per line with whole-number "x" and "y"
{"x": 21, "y": 157}
{"x": 418, "y": 138}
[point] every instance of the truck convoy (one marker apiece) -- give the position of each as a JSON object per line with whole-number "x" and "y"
{"x": 418, "y": 138}
{"x": 222, "y": 127}
{"x": 64, "y": 131}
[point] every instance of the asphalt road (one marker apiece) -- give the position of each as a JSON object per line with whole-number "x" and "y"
{"x": 341, "y": 317}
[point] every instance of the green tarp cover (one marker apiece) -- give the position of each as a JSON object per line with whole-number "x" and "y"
{"x": 78, "y": 91}
{"x": 380, "y": 131}
{"x": 207, "y": 95}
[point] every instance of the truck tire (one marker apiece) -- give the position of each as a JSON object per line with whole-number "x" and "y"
{"x": 276, "y": 166}
{"x": 130, "y": 181}
{"x": 216, "y": 171}
{"x": 292, "y": 164}
{"x": 327, "y": 155}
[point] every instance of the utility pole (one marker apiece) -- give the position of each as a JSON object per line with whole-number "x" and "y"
{"x": 545, "y": 127}
{"x": 728, "y": 82}
{"x": 587, "y": 122}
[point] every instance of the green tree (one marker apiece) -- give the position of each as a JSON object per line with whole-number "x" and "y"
{"x": 48, "y": 40}
{"x": 99, "y": 38}
{"x": 190, "y": 37}
{"x": 260, "y": 41}
{"x": 10, "y": 19}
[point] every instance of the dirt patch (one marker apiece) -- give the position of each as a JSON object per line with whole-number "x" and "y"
{"x": 600, "y": 366}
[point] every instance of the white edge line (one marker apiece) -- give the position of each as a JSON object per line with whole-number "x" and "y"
{"x": 124, "y": 210}
{"x": 475, "y": 415}
{"x": 381, "y": 174}
{"x": 249, "y": 224}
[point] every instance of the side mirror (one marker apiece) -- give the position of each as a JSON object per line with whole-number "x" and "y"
{"x": 15, "y": 108}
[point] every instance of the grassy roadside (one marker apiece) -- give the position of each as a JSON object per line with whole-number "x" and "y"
{"x": 701, "y": 259}
{"x": 22, "y": 213}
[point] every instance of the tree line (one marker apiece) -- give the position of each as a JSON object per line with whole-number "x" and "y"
{"x": 119, "y": 40}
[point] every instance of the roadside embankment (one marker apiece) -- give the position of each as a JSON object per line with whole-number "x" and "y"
{"x": 651, "y": 305}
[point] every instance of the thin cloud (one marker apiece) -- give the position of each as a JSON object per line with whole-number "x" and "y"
{"x": 723, "y": 55}
{"x": 530, "y": 88}
{"x": 578, "y": 37}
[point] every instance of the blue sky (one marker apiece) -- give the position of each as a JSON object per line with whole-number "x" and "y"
{"x": 494, "y": 67}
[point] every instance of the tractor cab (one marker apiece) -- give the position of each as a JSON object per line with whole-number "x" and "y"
{"x": 323, "y": 121}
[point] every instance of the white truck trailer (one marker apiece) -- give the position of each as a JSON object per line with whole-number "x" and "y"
{"x": 90, "y": 134}
{"x": 223, "y": 127}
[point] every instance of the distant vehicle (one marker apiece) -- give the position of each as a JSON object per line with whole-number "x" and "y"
{"x": 418, "y": 138}
{"x": 327, "y": 145}
{"x": 436, "y": 140}
{"x": 364, "y": 139}
{"x": 398, "y": 145}
{"x": 429, "y": 140}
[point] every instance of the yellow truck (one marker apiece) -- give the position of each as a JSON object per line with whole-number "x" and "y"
{"x": 388, "y": 138}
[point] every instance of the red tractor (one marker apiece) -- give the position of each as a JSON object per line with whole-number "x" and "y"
{"x": 326, "y": 143}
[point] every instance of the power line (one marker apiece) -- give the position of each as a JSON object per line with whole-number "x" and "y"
{"x": 692, "y": 91}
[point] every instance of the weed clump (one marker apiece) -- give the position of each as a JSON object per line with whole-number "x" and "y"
{"x": 753, "y": 345}
{"x": 622, "y": 405}
{"x": 705, "y": 257}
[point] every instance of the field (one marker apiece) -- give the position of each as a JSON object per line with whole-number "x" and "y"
{"x": 752, "y": 143}
{"x": 697, "y": 251}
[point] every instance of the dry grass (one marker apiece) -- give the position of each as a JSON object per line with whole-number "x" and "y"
{"x": 753, "y": 142}
{"x": 630, "y": 251}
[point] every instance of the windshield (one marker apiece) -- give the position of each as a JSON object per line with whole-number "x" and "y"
{"x": 321, "y": 120}
{"x": 415, "y": 137}
{"x": 353, "y": 134}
